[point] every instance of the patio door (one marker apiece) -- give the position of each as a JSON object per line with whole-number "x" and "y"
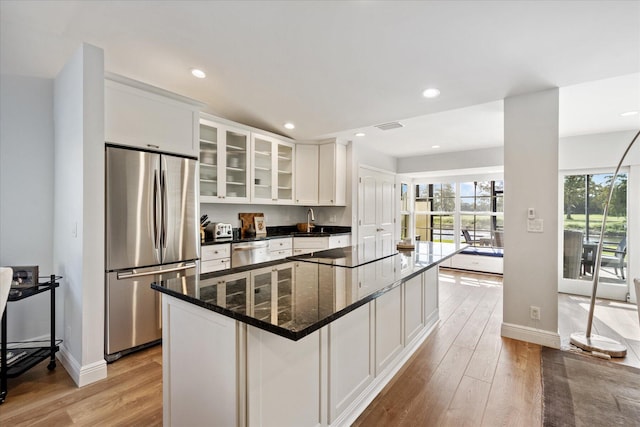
{"x": 584, "y": 196}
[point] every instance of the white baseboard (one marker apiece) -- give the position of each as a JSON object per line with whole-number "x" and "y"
{"x": 82, "y": 375}
{"x": 536, "y": 336}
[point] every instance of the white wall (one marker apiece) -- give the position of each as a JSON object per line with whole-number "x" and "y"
{"x": 471, "y": 159}
{"x": 26, "y": 193}
{"x": 79, "y": 211}
{"x": 531, "y": 180}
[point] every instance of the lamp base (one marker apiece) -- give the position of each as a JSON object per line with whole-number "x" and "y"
{"x": 598, "y": 343}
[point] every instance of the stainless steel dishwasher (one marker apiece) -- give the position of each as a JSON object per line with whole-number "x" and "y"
{"x": 247, "y": 253}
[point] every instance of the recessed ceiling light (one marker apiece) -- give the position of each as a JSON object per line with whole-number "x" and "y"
{"x": 198, "y": 73}
{"x": 435, "y": 146}
{"x": 432, "y": 92}
{"x": 360, "y": 134}
{"x": 629, "y": 113}
{"x": 289, "y": 125}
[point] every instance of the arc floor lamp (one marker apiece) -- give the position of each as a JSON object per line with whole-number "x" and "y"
{"x": 586, "y": 340}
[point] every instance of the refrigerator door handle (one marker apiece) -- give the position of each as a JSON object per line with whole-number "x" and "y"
{"x": 155, "y": 208}
{"x": 163, "y": 184}
{"x": 129, "y": 274}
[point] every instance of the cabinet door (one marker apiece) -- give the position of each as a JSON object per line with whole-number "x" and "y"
{"x": 413, "y": 308}
{"x": 224, "y": 163}
{"x": 284, "y": 172}
{"x": 210, "y": 139}
{"x": 143, "y": 119}
{"x": 262, "y": 187}
{"x": 273, "y": 165}
{"x": 332, "y": 182}
{"x": 388, "y": 328}
{"x": 236, "y": 160}
{"x": 307, "y": 174}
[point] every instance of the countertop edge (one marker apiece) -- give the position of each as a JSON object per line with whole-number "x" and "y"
{"x": 297, "y": 335}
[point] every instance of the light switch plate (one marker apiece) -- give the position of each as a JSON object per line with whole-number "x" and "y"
{"x": 535, "y": 226}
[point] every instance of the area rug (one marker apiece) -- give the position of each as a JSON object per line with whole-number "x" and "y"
{"x": 582, "y": 390}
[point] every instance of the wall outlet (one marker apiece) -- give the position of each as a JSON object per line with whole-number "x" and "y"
{"x": 534, "y": 312}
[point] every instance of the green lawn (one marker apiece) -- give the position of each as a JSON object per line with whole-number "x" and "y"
{"x": 616, "y": 225}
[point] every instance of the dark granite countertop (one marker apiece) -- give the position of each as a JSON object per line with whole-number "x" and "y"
{"x": 278, "y": 232}
{"x": 295, "y": 298}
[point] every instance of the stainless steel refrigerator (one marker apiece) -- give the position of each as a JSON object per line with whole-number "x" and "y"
{"x": 151, "y": 234}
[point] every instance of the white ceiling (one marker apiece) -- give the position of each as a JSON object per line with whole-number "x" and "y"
{"x": 334, "y": 68}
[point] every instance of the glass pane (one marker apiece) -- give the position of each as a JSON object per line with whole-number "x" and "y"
{"x": 584, "y": 202}
{"x": 285, "y": 175}
{"x": 262, "y": 169}
{"x": 404, "y": 197}
{"x": 483, "y": 204}
{"x": 467, "y": 189}
{"x": 466, "y": 204}
{"x": 483, "y": 188}
{"x": 208, "y": 161}
{"x": 236, "y": 165}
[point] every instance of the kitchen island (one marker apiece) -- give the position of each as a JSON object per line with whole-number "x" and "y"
{"x": 305, "y": 341}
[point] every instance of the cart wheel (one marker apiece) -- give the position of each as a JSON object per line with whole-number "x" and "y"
{"x": 51, "y": 366}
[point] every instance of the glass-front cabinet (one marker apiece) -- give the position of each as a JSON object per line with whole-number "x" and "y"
{"x": 272, "y": 178}
{"x": 224, "y": 163}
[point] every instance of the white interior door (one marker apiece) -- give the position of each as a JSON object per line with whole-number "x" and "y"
{"x": 376, "y": 211}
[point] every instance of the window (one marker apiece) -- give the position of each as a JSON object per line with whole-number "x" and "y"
{"x": 481, "y": 212}
{"x": 434, "y": 212}
{"x": 405, "y": 213}
{"x": 477, "y": 206}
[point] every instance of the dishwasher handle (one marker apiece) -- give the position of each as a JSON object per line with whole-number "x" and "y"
{"x": 250, "y": 247}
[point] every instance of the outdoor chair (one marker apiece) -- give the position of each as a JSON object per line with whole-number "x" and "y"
{"x": 467, "y": 238}
{"x": 615, "y": 257}
{"x": 572, "y": 256}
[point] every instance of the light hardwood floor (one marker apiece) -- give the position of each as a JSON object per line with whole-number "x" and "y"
{"x": 463, "y": 374}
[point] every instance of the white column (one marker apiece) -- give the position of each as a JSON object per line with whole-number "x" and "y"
{"x": 531, "y": 181}
{"x": 78, "y": 247}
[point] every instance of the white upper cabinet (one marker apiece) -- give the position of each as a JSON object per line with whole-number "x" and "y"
{"x": 307, "y": 174}
{"x": 321, "y": 174}
{"x": 272, "y": 170}
{"x": 224, "y": 163}
{"x": 332, "y": 180}
{"x": 140, "y": 118}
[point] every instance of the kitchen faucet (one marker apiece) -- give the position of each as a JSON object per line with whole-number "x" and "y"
{"x": 313, "y": 218}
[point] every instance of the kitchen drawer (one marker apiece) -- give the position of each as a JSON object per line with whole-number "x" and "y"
{"x": 212, "y": 252}
{"x": 280, "y": 254}
{"x": 280, "y": 244}
{"x": 339, "y": 241}
{"x": 215, "y": 265}
{"x": 316, "y": 243}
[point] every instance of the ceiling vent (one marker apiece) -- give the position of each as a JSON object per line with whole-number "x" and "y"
{"x": 389, "y": 126}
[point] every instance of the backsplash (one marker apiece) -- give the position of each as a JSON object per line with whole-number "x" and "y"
{"x": 275, "y": 215}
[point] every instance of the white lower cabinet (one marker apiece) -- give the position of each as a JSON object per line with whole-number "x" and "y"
{"x": 388, "y": 328}
{"x": 215, "y": 258}
{"x": 414, "y": 313}
{"x": 280, "y": 248}
{"x": 283, "y": 380}
{"x": 196, "y": 387}
{"x": 351, "y": 368}
{"x": 218, "y": 371}
{"x": 306, "y": 245}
